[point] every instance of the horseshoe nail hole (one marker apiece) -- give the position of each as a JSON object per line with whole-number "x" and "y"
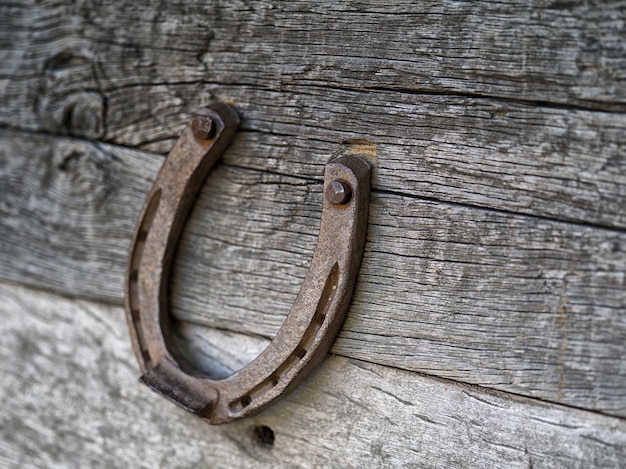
{"x": 275, "y": 381}
{"x": 141, "y": 237}
{"x": 245, "y": 401}
{"x": 134, "y": 275}
{"x": 301, "y": 353}
{"x": 263, "y": 436}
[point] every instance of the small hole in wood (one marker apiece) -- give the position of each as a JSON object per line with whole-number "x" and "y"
{"x": 263, "y": 436}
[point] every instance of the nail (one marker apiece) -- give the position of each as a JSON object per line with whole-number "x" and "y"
{"x": 203, "y": 127}
{"x": 338, "y": 193}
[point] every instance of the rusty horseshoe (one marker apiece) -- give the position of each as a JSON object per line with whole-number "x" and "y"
{"x": 317, "y": 313}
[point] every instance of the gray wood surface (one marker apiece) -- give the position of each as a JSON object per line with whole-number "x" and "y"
{"x": 512, "y": 302}
{"x": 512, "y": 105}
{"x": 493, "y": 279}
{"x": 73, "y": 400}
{"x": 65, "y": 212}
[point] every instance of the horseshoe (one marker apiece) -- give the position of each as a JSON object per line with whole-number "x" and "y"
{"x": 317, "y": 313}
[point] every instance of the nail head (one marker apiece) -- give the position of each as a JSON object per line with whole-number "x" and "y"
{"x": 338, "y": 193}
{"x": 203, "y": 127}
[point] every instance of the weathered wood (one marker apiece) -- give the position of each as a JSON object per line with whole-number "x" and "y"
{"x": 503, "y": 136}
{"x": 531, "y": 306}
{"x": 74, "y": 401}
{"x": 68, "y": 210}
{"x": 473, "y": 112}
{"x": 516, "y": 303}
{"x": 555, "y": 53}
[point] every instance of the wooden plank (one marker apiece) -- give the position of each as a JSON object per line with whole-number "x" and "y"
{"x": 75, "y": 402}
{"x": 560, "y": 164}
{"x": 455, "y": 123}
{"x": 68, "y": 211}
{"x": 553, "y": 53}
{"x": 531, "y": 306}
{"x": 556, "y": 163}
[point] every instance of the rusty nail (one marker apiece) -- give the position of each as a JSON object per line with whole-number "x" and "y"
{"x": 203, "y": 127}
{"x": 338, "y": 193}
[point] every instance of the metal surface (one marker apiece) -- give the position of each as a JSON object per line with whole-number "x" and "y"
{"x": 316, "y": 315}
{"x": 338, "y": 193}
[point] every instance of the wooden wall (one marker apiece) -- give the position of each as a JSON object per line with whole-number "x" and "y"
{"x": 488, "y": 324}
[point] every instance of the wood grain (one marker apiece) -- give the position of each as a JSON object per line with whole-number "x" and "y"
{"x": 549, "y": 52}
{"x": 68, "y": 209}
{"x": 75, "y": 402}
{"x": 525, "y": 305}
{"x": 514, "y": 105}
{"x": 499, "y": 300}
